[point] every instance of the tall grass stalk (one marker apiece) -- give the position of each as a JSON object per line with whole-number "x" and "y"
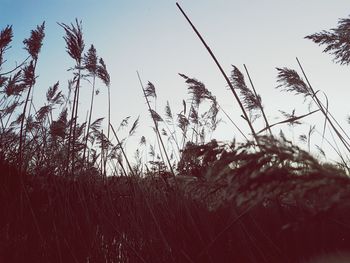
{"x": 233, "y": 123}
{"x": 292, "y": 119}
{"x": 156, "y": 125}
{"x": 170, "y": 120}
{"x": 33, "y": 46}
{"x": 109, "y": 121}
{"x": 245, "y": 115}
{"x": 75, "y": 118}
{"x": 323, "y": 110}
{"x": 141, "y": 191}
{"x": 267, "y": 125}
{"x": 75, "y": 47}
{"x": 90, "y": 63}
{"x": 185, "y": 130}
{"x": 19, "y": 66}
{"x": 23, "y": 117}
{"x": 103, "y": 74}
{"x": 122, "y": 149}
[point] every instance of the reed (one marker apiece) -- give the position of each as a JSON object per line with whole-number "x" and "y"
{"x": 261, "y": 200}
{"x": 33, "y": 46}
{"x": 75, "y": 47}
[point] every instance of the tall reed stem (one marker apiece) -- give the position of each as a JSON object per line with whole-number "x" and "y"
{"x": 70, "y": 130}
{"x": 156, "y": 125}
{"x": 90, "y": 114}
{"x": 122, "y": 149}
{"x": 109, "y": 121}
{"x": 76, "y": 117}
{"x": 21, "y": 135}
{"x": 245, "y": 115}
{"x": 256, "y": 95}
{"x": 320, "y": 105}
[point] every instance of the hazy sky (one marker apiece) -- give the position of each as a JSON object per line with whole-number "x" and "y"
{"x": 153, "y": 37}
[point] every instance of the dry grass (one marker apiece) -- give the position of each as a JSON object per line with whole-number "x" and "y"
{"x": 264, "y": 200}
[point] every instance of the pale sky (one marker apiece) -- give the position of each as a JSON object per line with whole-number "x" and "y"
{"x": 153, "y": 37}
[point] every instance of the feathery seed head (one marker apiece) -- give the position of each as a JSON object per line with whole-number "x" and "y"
{"x": 6, "y": 36}
{"x": 74, "y": 40}
{"x": 134, "y": 126}
{"x": 42, "y": 113}
{"x": 90, "y": 61}
{"x": 168, "y": 113}
{"x": 33, "y": 44}
{"x": 5, "y": 39}
{"x": 103, "y": 73}
{"x": 142, "y": 140}
{"x": 54, "y": 97}
{"x": 155, "y": 116}
{"x": 14, "y": 85}
{"x": 182, "y": 122}
{"x": 150, "y": 90}
{"x": 336, "y": 40}
{"x": 290, "y": 81}
{"x": 29, "y": 75}
{"x": 250, "y": 101}
{"x": 197, "y": 89}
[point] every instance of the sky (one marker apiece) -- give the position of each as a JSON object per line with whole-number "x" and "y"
{"x": 154, "y": 38}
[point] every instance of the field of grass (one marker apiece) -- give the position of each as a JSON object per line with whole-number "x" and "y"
{"x": 69, "y": 192}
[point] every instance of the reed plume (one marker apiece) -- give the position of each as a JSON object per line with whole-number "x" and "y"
{"x": 74, "y": 47}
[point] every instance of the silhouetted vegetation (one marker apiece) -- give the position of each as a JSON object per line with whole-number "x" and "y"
{"x": 69, "y": 192}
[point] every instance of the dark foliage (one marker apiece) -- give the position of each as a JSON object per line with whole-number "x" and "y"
{"x": 274, "y": 214}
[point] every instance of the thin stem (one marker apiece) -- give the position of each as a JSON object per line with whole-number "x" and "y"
{"x": 233, "y": 123}
{"x": 14, "y": 69}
